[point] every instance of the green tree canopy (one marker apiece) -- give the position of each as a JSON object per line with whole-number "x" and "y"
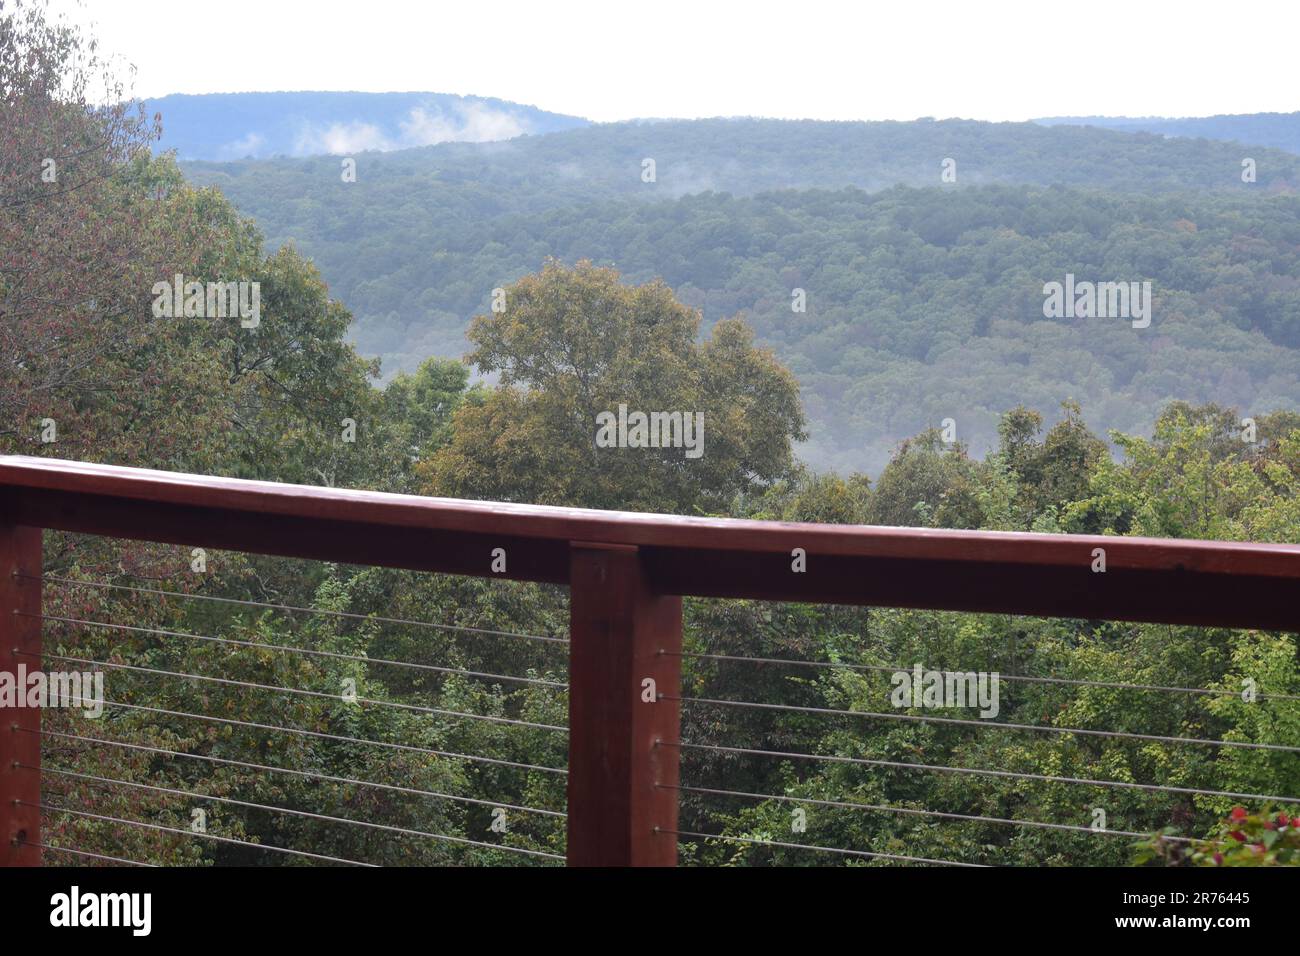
{"x": 572, "y": 344}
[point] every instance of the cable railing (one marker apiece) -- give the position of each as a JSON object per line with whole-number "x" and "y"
{"x": 704, "y": 710}
{"x": 146, "y": 640}
{"x": 227, "y": 736}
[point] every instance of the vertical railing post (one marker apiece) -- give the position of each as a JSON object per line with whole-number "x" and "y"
{"x": 20, "y": 630}
{"x": 621, "y": 783}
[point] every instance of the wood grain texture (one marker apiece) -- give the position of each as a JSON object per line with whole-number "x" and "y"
{"x": 20, "y": 553}
{"x": 621, "y": 782}
{"x": 1146, "y": 579}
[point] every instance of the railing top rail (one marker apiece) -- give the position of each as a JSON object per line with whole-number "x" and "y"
{"x": 1178, "y": 581}
{"x": 637, "y": 529}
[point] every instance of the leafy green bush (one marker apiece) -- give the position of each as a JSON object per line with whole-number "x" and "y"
{"x": 1243, "y": 839}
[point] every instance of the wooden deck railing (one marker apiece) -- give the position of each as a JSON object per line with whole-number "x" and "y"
{"x": 627, "y": 573}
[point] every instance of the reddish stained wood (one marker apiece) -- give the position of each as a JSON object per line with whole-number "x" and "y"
{"x": 621, "y": 783}
{"x": 1173, "y": 581}
{"x": 20, "y": 824}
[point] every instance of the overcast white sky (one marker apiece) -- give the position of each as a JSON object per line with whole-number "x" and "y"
{"x": 843, "y": 59}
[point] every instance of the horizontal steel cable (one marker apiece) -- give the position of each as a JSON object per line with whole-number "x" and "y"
{"x": 411, "y": 748}
{"x": 1009, "y": 774}
{"x": 297, "y": 813}
{"x": 85, "y": 853}
{"x": 983, "y": 724}
{"x": 296, "y": 690}
{"x": 888, "y": 668}
{"x": 161, "y": 632}
{"x": 821, "y": 849}
{"x": 885, "y": 808}
{"x": 300, "y": 610}
{"x": 312, "y": 775}
{"x": 191, "y": 833}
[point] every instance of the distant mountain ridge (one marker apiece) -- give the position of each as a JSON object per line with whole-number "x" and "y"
{"x": 745, "y": 156}
{"x": 922, "y": 296}
{"x": 1275, "y": 130}
{"x": 226, "y": 126}
{"x": 229, "y": 126}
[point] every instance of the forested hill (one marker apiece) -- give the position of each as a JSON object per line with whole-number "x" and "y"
{"x": 1275, "y": 130}
{"x": 240, "y": 125}
{"x": 922, "y": 303}
{"x": 744, "y": 156}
